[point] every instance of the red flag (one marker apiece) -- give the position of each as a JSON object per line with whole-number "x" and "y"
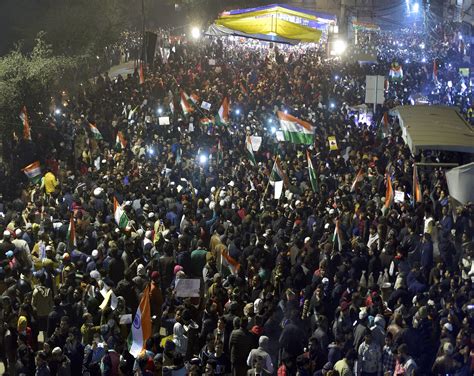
{"x": 142, "y": 74}
{"x": 416, "y": 185}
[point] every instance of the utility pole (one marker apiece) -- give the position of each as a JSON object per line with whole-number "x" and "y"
{"x": 143, "y": 33}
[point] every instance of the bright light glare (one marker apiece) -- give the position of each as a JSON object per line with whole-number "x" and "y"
{"x": 286, "y": 112}
{"x": 416, "y": 7}
{"x": 423, "y": 60}
{"x": 273, "y": 130}
{"x": 332, "y": 105}
{"x": 460, "y": 36}
{"x": 202, "y": 159}
{"x": 422, "y": 46}
{"x": 160, "y": 110}
{"x": 407, "y": 61}
{"x": 57, "y": 111}
{"x": 339, "y": 47}
{"x": 195, "y": 32}
{"x": 270, "y": 121}
{"x": 336, "y": 77}
{"x": 237, "y": 111}
{"x": 151, "y": 151}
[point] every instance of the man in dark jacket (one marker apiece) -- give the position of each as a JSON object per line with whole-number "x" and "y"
{"x": 241, "y": 343}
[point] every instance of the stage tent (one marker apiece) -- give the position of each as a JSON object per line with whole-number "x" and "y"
{"x": 276, "y": 23}
{"x": 461, "y": 183}
{"x": 435, "y": 128}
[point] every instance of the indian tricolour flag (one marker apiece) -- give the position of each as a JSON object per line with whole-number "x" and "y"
{"x": 71, "y": 233}
{"x": 206, "y": 121}
{"x": 312, "y": 173}
{"x": 295, "y": 130}
{"x": 248, "y": 148}
{"x": 95, "y": 132}
{"x": 26, "y": 124}
{"x": 357, "y": 179}
{"x": 33, "y": 171}
{"x": 141, "y": 325}
{"x": 337, "y": 237}
{"x": 223, "y": 113}
{"x": 277, "y": 173}
{"x": 119, "y": 214}
{"x": 185, "y": 105}
{"x": 120, "y": 141}
{"x": 194, "y": 98}
{"x": 230, "y": 262}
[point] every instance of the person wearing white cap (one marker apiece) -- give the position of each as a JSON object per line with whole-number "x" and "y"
{"x": 23, "y": 254}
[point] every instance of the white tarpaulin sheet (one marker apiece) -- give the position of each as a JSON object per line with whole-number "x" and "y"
{"x": 461, "y": 183}
{"x": 435, "y": 128}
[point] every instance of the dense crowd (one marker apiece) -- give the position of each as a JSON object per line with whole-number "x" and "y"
{"x": 390, "y": 294}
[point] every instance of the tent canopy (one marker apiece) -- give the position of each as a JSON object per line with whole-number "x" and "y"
{"x": 435, "y": 128}
{"x": 280, "y": 21}
{"x": 461, "y": 183}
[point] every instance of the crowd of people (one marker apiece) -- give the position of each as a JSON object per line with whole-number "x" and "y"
{"x": 326, "y": 280}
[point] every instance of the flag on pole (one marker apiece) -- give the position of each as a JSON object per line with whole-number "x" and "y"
{"x": 142, "y": 74}
{"x": 416, "y": 186}
{"x": 295, "y": 130}
{"x": 71, "y": 233}
{"x": 120, "y": 141}
{"x": 389, "y": 191}
{"x": 278, "y": 189}
{"x": 435, "y": 71}
{"x": 357, "y": 179}
{"x": 220, "y": 152}
{"x": 223, "y": 113}
{"x": 230, "y": 262}
{"x": 337, "y": 238}
{"x": 206, "y": 121}
{"x": 243, "y": 88}
{"x": 141, "y": 326}
{"x": 312, "y": 173}
{"x": 119, "y": 214}
{"x": 248, "y": 147}
{"x": 95, "y": 132}
{"x": 33, "y": 172}
{"x": 194, "y": 98}
{"x": 185, "y": 105}
{"x": 26, "y": 124}
{"x": 277, "y": 173}
{"x": 172, "y": 106}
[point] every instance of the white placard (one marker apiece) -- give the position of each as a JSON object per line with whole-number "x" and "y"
{"x": 256, "y": 141}
{"x": 187, "y": 288}
{"x": 399, "y": 196}
{"x": 125, "y": 319}
{"x": 212, "y": 61}
{"x": 279, "y": 136}
{"x": 206, "y": 105}
{"x": 164, "y": 120}
{"x": 191, "y": 127}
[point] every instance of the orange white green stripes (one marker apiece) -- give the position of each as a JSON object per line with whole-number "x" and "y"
{"x": 223, "y": 113}
{"x": 295, "y": 130}
{"x": 357, "y": 179}
{"x": 119, "y": 214}
{"x": 248, "y": 147}
{"x": 33, "y": 171}
{"x": 141, "y": 325}
{"x": 95, "y": 132}
{"x": 120, "y": 141}
{"x": 185, "y": 105}
{"x": 312, "y": 173}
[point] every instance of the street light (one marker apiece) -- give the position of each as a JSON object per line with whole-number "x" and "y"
{"x": 339, "y": 46}
{"x": 195, "y": 32}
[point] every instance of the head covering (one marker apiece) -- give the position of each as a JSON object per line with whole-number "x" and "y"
{"x": 57, "y": 351}
{"x": 22, "y": 323}
{"x": 155, "y": 275}
{"x": 177, "y": 269}
{"x": 95, "y": 254}
{"x": 448, "y": 326}
{"x": 141, "y": 270}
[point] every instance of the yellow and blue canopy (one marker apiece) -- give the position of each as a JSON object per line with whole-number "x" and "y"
{"x": 280, "y": 23}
